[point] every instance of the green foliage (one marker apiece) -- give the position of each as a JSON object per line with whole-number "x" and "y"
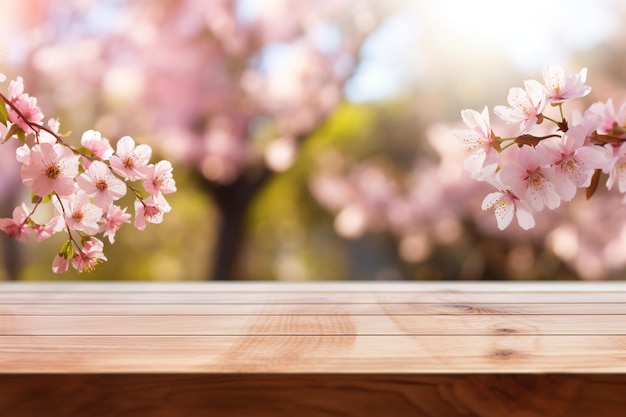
{"x": 291, "y": 236}
{"x": 4, "y": 116}
{"x": 14, "y": 130}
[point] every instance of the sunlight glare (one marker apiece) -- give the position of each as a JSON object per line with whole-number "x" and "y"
{"x": 532, "y": 32}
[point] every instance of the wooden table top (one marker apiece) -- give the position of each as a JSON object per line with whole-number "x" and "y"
{"x": 314, "y": 327}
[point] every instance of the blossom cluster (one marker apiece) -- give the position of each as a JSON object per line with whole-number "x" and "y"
{"x": 548, "y": 157}
{"x": 80, "y": 186}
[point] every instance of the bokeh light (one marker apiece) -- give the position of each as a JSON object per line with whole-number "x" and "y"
{"x": 316, "y": 134}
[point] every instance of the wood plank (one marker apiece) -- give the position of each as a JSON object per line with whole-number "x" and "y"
{"x": 167, "y": 395}
{"x": 317, "y": 349}
{"x": 311, "y": 325}
{"x": 314, "y": 354}
{"x": 185, "y": 309}
{"x": 242, "y": 297}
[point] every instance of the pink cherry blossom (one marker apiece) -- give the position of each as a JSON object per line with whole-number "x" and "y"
{"x": 80, "y": 214}
{"x": 98, "y": 145}
{"x": 44, "y": 136}
{"x": 526, "y": 105}
{"x": 22, "y": 154}
{"x": 54, "y": 125}
{"x": 480, "y": 142}
{"x": 29, "y": 112}
{"x": 44, "y": 231}
{"x": 529, "y": 179}
{"x": 16, "y": 88}
{"x": 150, "y": 210}
{"x": 52, "y": 168}
{"x": 99, "y": 183}
{"x": 60, "y": 264}
{"x": 571, "y": 162}
{"x": 617, "y": 169}
{"x": 607, "y": 117}
{"x": 561, "y": 87}
{"x": 505, "y": 205}
{"x": 89, "y": 256}
{"x": 159, "y": 178}
{"x": 113, "y": 219}
{"x": 16, "y": 226}
{"x": 131, "y": 161}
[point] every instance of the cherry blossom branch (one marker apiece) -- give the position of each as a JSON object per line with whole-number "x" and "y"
{"x": 545, "y": 170}
{"x": 82, "y": 186}
{"x": 34, "y": 126}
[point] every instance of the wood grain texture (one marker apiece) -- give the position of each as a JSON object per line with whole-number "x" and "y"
{"x": 313, "y": 349}
{"x": 313, "y": 327}
{"x": 313, "y": 354}
{"x": 259, "y": 395}
{"x": 411, "y": 309}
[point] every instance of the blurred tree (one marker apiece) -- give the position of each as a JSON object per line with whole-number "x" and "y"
{"x": 230, "y": 88}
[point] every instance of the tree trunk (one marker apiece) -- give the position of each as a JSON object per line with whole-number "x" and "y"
{"x": 229, "y": 240}
{"x": 11, "y": 254}
{"x": 233, "y": 202}
{"x": 11, "y": 250}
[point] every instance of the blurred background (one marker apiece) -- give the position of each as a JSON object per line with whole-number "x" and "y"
{"x": 311, "y": 139}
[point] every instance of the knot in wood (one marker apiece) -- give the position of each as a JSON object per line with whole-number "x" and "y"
{"x": 505, "y": 330}
{"x": 460, "y": 307}
{"x": 505, "y": 354}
